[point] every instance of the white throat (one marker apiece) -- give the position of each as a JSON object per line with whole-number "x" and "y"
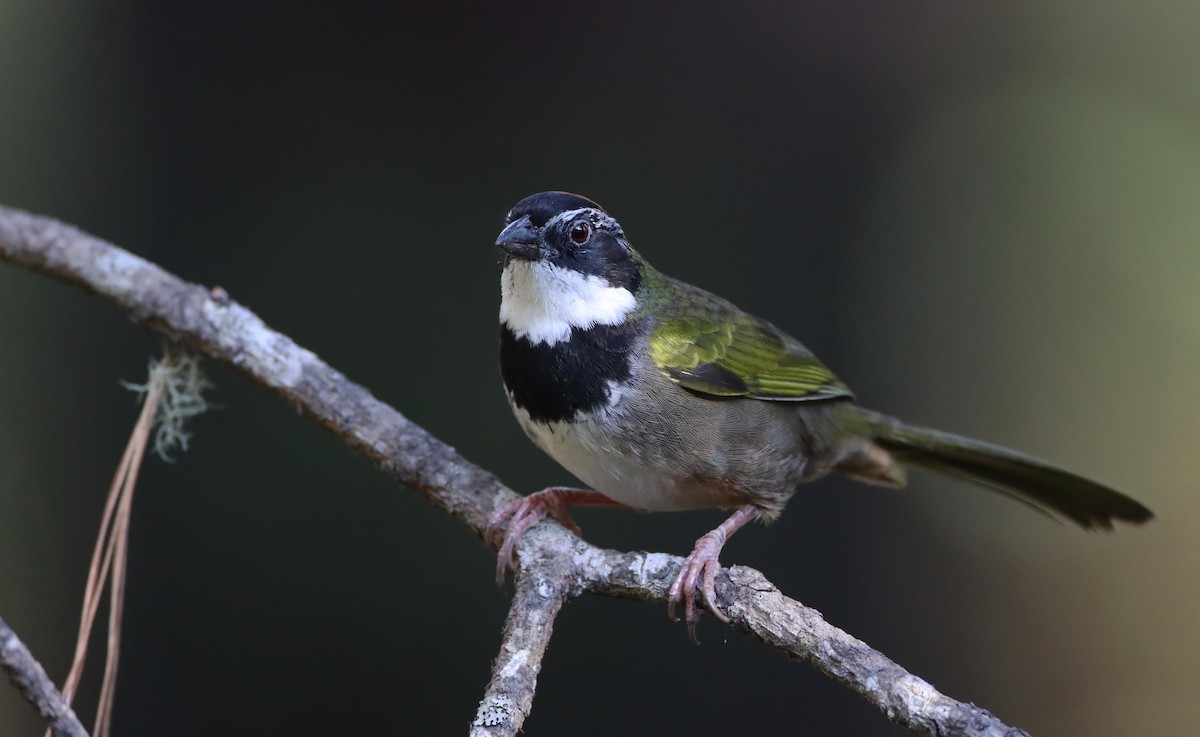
{"x": 543, "y": 303}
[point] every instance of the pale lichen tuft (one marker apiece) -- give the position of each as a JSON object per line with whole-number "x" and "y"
{"x": 181, "y": 398}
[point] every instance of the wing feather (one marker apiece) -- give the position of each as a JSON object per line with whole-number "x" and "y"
{"x": 719, "y": 350}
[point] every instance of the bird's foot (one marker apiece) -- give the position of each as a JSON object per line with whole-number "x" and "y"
{"x": 699, "y": 571}
{"x": 527, "y": 511}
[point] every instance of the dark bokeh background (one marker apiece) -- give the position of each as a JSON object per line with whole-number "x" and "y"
{"x": 985, "y": 217}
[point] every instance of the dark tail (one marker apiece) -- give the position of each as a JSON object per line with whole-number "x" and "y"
{"x": 1031, "y": 480}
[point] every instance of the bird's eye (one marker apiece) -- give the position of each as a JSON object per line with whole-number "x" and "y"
{"x": 580, "y": 232}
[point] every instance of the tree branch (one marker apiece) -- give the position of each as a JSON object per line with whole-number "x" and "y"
{"x": 756, "y": 607}
{"x": 210, "y": 323}
{"x": 28, "y": 677}
{"x": 543, "y": 584}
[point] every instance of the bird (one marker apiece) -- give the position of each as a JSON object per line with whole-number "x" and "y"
{"x": 661, "y": 396}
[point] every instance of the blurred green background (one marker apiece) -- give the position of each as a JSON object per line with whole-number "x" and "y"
{"x": 985, "y": 217}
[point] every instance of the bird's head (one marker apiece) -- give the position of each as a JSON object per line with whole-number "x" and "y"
{"x": 567, "y": 266}
{"x": 566, "y": 231}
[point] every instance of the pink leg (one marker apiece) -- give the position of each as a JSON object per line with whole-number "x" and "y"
{"x": 528, "y": 511}
{"x": 700, "y": 569}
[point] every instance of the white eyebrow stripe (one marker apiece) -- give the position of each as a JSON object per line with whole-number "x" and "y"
{"x": 567, "y": 215}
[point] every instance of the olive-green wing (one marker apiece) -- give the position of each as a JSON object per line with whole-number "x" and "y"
{"x": 721, "y": 351}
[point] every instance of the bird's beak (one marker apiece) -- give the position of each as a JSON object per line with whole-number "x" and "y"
{"x": 520, "y": 239}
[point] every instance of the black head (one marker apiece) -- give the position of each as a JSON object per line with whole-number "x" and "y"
{"x": 570, "y": 232}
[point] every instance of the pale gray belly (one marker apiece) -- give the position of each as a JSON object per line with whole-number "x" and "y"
{"x": 666, "y": 449}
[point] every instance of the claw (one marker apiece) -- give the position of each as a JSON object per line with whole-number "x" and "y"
{"x": 699, "y": 570}
{"x": 526, "y": 512}
{"x": 698, "y": 575}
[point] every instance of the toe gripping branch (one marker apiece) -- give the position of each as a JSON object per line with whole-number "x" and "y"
{"x": 524, "y": 513}
{"x": 699, "y": 571}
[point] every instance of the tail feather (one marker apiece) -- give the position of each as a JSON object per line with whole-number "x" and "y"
{"x": 1041, "y": 485}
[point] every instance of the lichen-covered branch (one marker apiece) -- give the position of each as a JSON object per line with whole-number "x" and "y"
{"x": 28, "y": 677}
{"x": 755, "y": 606}
{"x": 208, "y": 322}
{"x": 211, "y": 324}
{"x": 543, "y": 584}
